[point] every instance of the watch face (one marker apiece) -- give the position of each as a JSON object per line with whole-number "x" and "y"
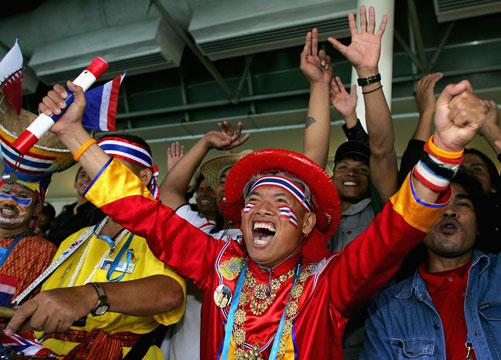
{"x": 101, "y": 309}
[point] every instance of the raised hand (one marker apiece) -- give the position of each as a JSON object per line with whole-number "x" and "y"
{"x": 53, "y": 103}
{"x": 365, "y": 48}
{"x": 174, "y": 154}
{"x": 459, "y": 115}
{"x": 425, "y": 97}
{"x": 226, "y": 138}
{"x": 315, "y": 64}
{"x": 343, "y": 102}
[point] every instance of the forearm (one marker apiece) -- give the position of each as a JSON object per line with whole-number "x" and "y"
{"x": 175, "y": 184}
{"x": 492, "y": 134}
{"x": 149, "y": 296}
{"x": 317, "y": 128}
{"x": 93, "y": 159}
{"x": 423, "y": 128}
{"x": 383, "y": 164}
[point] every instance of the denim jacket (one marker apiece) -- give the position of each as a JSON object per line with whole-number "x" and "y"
{"x": 404, "y": 324}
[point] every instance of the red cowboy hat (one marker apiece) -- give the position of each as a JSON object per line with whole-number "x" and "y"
{"x": 326, "y": 203}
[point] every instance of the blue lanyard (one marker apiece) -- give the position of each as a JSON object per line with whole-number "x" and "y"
{"x": 233, "y": 308}
{"x": 116, "y": 261}
{"x": 231, "y": 315}
{"x": 7, "y": 253}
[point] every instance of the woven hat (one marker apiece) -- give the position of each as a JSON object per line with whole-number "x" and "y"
{"x": 326, "y": 204}
{"x": 213, "y": 169}
{"x": 47, "y": 156}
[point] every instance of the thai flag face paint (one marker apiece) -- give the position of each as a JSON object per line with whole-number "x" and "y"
{"x": 247, "y": 208}
{"x": 284, "y": 183}
{"x": 286, "y": 212}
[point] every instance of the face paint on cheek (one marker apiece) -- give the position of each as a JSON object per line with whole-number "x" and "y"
{"x": 247, "y": 208}
{"x": 286, "y": 212}
{"x": 20, "y": 203}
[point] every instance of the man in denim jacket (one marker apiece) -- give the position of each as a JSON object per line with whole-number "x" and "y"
{"x": 451, "y": 307}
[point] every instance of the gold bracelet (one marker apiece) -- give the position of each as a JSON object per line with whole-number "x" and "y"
{"x": 82, "y": 149}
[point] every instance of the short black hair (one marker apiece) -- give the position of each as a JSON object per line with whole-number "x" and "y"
{"x": 491, "y": 168}
{"x": 78, "y": 173}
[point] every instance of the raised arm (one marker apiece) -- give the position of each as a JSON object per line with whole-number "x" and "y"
{"x": 176, "y": 182}
{"x": 346, "y": 105}
{"x": 491, "y": 130}
{"x": 425, "y": 99}
{"x": 316, "y": 67}
{"x": 412, "y": 211}
{"x": 363, "y": 53}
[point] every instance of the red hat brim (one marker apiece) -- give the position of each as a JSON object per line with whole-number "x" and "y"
{"x": 326, "y": 204}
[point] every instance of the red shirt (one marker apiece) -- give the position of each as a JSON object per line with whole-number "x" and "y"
{"x": 447, "y": 290}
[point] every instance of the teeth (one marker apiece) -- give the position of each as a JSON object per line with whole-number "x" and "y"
{"x": 8, "y": 212}
{"x": 205, "y": 202}
{"x": 259, "y": 241}
{"x": 266, "y": 226}
{"x": 349, "y": 183}
{"x": 450, "y": 226}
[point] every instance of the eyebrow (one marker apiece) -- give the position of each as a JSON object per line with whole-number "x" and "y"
{"x": 463, "y": 197}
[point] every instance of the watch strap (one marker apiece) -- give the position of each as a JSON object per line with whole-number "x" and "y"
{"x": 369, "y": 80}
{"x": 102, "y": 299}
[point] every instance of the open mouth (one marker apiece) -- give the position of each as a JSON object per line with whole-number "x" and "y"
{"x": 263, "y": 232}
{"x": 204, "y": 202}
{"x": 449, "y": 227}
{"x": 7, "y": 211}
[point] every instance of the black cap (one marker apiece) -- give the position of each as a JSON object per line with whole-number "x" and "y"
{"x": 352, "y": 148}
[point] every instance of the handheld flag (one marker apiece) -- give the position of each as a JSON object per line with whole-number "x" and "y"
{"x": 101, "y": 106}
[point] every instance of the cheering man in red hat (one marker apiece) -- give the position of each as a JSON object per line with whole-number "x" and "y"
{"x": 263, "y": 298}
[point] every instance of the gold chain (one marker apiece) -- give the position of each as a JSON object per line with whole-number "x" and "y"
{"x": 260, "y": 300}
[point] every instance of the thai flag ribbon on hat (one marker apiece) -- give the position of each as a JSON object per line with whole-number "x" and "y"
{"x": 101, "y": 108}
{"x": 11, "y": 77}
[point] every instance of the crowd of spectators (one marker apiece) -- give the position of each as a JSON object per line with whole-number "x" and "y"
{"x": 266, "y": 256}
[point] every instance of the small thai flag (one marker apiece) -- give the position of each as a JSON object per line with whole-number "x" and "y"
{"x": 101, "y": 106}
{"x": 28, "y": 347}
{"x": 286, "y": 212}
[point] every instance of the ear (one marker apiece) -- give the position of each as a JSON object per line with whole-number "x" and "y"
{"x": 145, "y": 175}
{"x": 38, "y": 208}
{"x": 309, "y": 221}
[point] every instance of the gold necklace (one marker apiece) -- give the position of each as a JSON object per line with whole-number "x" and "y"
{"x": 259, "y": 305}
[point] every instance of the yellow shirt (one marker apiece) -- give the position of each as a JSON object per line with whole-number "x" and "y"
{"x": 145, "y": 264}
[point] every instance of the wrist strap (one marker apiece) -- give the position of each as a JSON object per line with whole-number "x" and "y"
{"x": 82, "y": 149}
{"x": 437, "y": 167}
{"x": 369, "y": 91}
{"x": 369, "y": 80}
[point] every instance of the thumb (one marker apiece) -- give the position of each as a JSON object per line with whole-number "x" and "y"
{"x": 77, "y": 92}
{"x": 450, "y": 91}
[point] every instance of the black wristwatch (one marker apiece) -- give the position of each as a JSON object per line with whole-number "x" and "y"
{"x": 369, "y": 80}
{"x": 102, "y": 304}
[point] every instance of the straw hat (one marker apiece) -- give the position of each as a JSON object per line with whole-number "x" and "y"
{"x": 213, "y": 169}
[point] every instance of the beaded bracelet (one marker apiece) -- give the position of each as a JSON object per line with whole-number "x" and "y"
{"x": 83, "y": 148}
